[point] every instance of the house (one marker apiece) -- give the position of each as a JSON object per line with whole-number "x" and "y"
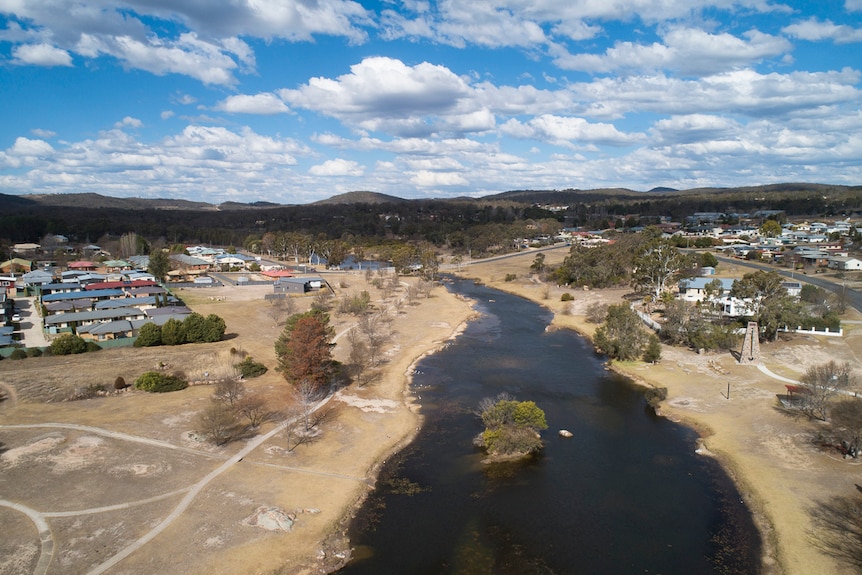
{"x": 16, "y": 265}
{"x": 93, "y": 295}
{"x": 298, "y": 286}
{"x": 83, "y": 266}
{"x": 75, "y": 320}
{"x": 37, "y": 278}
{"x": 116, "y": 329}
{"x": 844, "y": 263}
{"x": 7, "y": 285}
{"x": 793, "y": 288}
{"x": 694, "y": 289}
{"x": 234, "y": 260}
{"x": 117, "y": 265}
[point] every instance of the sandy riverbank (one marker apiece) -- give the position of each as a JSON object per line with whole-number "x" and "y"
{"x": 770, "y": 455}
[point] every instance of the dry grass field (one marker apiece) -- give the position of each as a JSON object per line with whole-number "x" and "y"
{"x": 97, "y": 483}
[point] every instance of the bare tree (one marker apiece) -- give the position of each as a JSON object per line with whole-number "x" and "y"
{"x": 228, "y": 390}
{"x": 254, "y": 407}
{"x": 824, "y": 381}
{"x": 360, "y": 357}
{"x": 847, "y": 424}
{"x": 375, "y": 328}
{"x": 217, "y": 422}
{"x": 277, "y": 310}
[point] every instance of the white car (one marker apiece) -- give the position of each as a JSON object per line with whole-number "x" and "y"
{"x": 16, "y": 317}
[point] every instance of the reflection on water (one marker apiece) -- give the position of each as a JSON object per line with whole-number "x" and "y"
{"x": 625, "y": 494}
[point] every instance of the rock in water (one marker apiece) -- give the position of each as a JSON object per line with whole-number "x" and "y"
{"x": 565, "y": 433}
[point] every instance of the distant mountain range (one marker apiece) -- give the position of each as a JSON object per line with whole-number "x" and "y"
{"x": 542, "y": 197}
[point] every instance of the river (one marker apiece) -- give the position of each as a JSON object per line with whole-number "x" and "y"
{"x": 625, "y": 494}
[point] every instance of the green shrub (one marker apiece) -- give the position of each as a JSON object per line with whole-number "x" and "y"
{"x": 93, "y": 346}
{"x": 34, "y": 352}
{"x": 510, "y": 277}
{"x": 567, "y": 297}
{"x": 655, "y": 395}
{"x": 18, "y": 353}
{"x": 157, "y": 382}
{"x": 68, "y": 344}
{"x": 249, "y": 368}
{"x": 149, "y": 335}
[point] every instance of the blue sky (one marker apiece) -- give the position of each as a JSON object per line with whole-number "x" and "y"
{"x": 292, "y": 101}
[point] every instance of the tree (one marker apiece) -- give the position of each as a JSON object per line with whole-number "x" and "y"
{"x": 657, "y": 264}
{"x": 194, "y": 328}
{"x": 68, "y": 344}
{"x": 766, "y": 301}
{"x": 652, "y": 352}
{"x": 214, "y": 328}
{"x": 375, "y": 328}
{"x": 304, "y": 349}
{"x": 770, "y": 229}
{"x": 622, "y": 336}
{"x": 149, "y": 335}
{"x": 253, "y": 406}
{"x": 229, "y": 390}
{"x": 218, "y": 422}
{"x": 824, "y": 382}
{"x": 511, "y": 427}
{"x": 847, "y": 423}
{"x": 173, "y": 332}
{"x": 538, "y": 265}
{"x": 160, "y": 264}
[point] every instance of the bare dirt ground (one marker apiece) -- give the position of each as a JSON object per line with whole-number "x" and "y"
{"x": 100, "y": 475}
{"x": 781, "y": 472}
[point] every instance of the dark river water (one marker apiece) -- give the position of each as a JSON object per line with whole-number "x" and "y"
{"x": 625, "y": 495}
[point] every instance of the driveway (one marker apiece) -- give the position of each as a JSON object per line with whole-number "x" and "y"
{"x": 31, "y": 323}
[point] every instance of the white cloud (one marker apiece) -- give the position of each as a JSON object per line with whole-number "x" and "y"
{"x": 695, "y": 127}
{"x": 265, "y": 104}
{"x": 166, "y": 114}
{"x": 568, "y": 131}
{"x": 42, "y": 133}
{"x": 853, "y": 5}
{"x": 688, "y": 50}
{"x": 384, "y": 94}
{"x": 337, "y": 167}
{"x": 129, "y": 122}
{"x": 40, "y": 55}
{"x": 427, "y": 179}
{"x": 740, "y": 92}
{"x": 814, "y": 30}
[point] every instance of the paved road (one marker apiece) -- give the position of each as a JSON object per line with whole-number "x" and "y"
{"x": 31, "y": 323}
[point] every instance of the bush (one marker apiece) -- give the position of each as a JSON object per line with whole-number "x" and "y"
{"x": 68, "y": 344}
{"x": 156, "y": 382}
{"x": 654, "y": 396}
{"x": 120, "y": 383}
{"x": 34, "y": 352}
{"x": 510, "y": 277}
{"x": 567, "y": 297}
{"x": 92, "y": 346}
{"x": 149, "y": 335}
{"x": 18, "y": 353}
{"x": 250, "y": 368}
{"x": 597, "y": 312}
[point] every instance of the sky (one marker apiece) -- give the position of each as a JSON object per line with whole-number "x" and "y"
{"x": 294, "y": 101}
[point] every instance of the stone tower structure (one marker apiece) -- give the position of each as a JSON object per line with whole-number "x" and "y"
{"x": 750, "y": 345}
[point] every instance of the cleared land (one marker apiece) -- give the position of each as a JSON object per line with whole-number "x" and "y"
{"x": 100, "y": 492}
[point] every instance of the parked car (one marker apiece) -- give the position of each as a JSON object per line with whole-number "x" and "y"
{"x": 16, "y": 317}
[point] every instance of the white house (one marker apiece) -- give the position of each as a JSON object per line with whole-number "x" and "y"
{"x": 844, "y": 263}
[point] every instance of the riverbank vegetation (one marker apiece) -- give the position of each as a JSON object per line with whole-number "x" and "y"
{"x": 511, "y": 427}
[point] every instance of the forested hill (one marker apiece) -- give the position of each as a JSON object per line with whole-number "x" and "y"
{"x": 89, "y": 217}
